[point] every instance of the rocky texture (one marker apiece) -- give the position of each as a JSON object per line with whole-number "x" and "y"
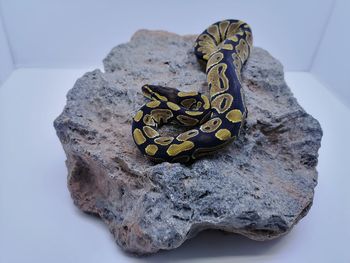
{"x": 259, "y": 186}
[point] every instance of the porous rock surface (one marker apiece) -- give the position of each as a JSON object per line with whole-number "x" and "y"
{"x": 260, "y": 186}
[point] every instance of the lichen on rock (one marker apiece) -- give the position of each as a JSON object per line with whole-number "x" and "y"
{"x": 259, "y": 186}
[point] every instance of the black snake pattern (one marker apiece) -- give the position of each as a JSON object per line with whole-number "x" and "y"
{"x": 215, "y": 121}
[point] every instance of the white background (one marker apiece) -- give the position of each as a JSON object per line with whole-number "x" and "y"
{"x": 48, "y": 44}
{"x": 331, "y": 64}
{"x": 79, "y": 33}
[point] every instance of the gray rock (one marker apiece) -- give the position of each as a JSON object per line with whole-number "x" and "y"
{"x": 260, "y": 186}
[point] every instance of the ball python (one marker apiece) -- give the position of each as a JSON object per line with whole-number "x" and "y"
{"x": 214, "y": 121}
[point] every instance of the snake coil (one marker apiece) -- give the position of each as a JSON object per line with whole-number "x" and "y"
{"x": 215, "y": 121}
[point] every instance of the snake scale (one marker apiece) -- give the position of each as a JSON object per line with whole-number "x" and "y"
{"x": 215, "y": 120}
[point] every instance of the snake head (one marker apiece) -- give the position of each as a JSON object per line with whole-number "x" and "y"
{"x": 147, "y": 92}
{"x": 156, "y": 92}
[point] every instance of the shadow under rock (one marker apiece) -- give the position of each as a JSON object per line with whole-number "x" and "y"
{"x": 208, "y": 244}
{"x": 214, "y": 244}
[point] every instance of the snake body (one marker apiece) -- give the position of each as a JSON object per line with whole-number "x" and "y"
{"x": 214, "y": 121}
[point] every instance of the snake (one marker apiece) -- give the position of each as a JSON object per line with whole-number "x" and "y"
{"x": 212, "y": 120}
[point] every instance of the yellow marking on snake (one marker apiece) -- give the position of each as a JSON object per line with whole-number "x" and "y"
{"x": 150, "y": 132}
{"x": 215, "y": 59}
{"x": 138, "y": 136}
{"x": 175, "y": 149}
{"x": 173, "y": 106}
{"x": 161, "y": 115}
{"x": 206, "y": 45}
{"x": 222, "y": 102}
{"x": 211, "y": 125}
{"x": 214, "y": 31}
{"x": 206, "y": 102}
{"x": 237, "y": 62}
{"x": 249, "y": 39}
{"x": 234, "y": 116}
{"x": 233, "y": 38}
{"x": 205, "y": 40}
{"x": 223, "y": 27}
{"x": 165, "y": 140}
{"x": 148, "y": 120}
{"x": 242, "y": 50}
{"x": 160, "y": 97}
{"x": 186, "y": 120}
{"x": 227, "y": 47}
{"x": 151, "y": 149}
{"x": 187, "y": 135}
{"x": 223, "y": 134}
{"x": 153, "y": 104}
{"x": 138, "y": 116}
{"x": 187, "y": 93}
{"x": 194, "y": 113}
{"x": 216, "y": 76}
{"x": 233, "y": 29}
{"x": 198, "y": 105}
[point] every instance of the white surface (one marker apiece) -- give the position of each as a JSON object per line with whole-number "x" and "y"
{"x": 6, "y": 65}
{"x": 332, "y": 63}
{"x": 51, "y": 33}
{"x": 39, "y": 223}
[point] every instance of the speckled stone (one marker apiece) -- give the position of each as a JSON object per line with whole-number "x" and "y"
{"x": 259, "y": 186}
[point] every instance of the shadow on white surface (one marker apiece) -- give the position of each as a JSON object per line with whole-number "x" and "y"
{"x": 208, "y": 244}
{"x": 217, "y": 244}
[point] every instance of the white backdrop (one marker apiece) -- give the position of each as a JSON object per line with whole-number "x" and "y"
{"x": 331, "y": 65}
{"x": 66, "y": 33}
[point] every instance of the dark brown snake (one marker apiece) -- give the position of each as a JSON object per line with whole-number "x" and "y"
{"x": 214, "y": 121}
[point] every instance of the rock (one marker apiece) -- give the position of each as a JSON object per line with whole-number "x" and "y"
{"x": 260, "y": 186}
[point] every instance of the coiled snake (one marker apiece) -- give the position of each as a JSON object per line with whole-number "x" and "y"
{"x": 215, "y": 121}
